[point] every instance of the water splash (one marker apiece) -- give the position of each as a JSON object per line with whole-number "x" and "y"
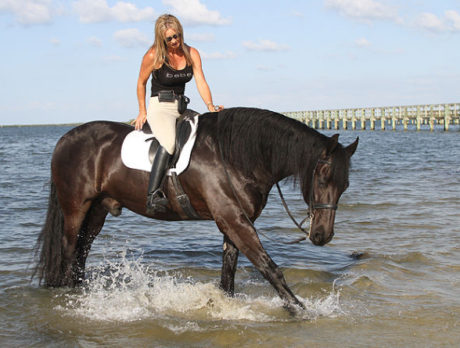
{"x": 129, "y": 291}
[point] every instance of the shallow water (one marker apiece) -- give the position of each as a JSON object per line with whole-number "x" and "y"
{"x": 153, "y": 283}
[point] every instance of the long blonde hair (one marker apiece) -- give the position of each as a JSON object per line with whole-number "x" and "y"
{"x": 163, "y": 23}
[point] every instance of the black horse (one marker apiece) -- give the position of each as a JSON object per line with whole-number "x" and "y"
{"x": 251, "y": 148}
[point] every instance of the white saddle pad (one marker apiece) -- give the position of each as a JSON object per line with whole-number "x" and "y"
{"x": 135, "y": 150}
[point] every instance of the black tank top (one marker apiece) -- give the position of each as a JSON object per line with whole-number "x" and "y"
{"x": 167, "y": 78}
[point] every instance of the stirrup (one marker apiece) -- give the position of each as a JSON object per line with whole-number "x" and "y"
{"x": 157, "y": 202}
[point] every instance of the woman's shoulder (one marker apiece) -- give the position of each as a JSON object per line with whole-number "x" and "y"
{"x": 194, "y": 54}
{"x": 193, "y": 50}
{"x": 150, "y": 54}
{"x": 150, "y": 57}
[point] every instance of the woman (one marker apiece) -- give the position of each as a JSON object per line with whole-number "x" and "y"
{"x": 172, "y": 64}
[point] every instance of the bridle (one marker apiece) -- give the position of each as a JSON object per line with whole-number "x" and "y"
{"x": 312, "y": 205}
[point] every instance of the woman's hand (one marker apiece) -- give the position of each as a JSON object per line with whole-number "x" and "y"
{"x": 139, "y": 121}
{"x": 215, "y": 108}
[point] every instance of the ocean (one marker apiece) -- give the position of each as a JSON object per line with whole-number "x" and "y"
{"x": 155, "y": 284}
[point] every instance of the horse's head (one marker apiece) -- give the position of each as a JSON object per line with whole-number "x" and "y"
{"x": 324, "y": 187}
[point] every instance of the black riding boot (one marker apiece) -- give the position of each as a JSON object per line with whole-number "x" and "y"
{"x": 156, "y": 199}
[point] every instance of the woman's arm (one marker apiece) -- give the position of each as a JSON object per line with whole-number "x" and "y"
{"x": 144, "y": 73}
{"x": 201, "y": 84}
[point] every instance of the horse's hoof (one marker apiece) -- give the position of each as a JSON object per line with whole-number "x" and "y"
{"x": 294, "y": 309}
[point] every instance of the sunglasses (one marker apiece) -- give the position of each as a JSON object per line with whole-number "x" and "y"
{"x": 175, "y": 37}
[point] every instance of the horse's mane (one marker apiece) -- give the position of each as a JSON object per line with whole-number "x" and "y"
{"x": 254, "y": 138}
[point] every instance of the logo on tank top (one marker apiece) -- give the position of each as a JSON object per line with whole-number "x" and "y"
{"x": 178, "y": 75}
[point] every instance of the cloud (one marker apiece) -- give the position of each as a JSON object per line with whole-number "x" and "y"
{"x": 265, "y": 68}
{"x": 264, "y": 45}
{"x": 94, "y": 41}
{"x": 362, "y": 42}
{"x": 362, "y": 9}
{"x": 218, "y": 55}
{"x": 297, "y": 14}
{"x": 193, "y": 12}
{"x": 131, "y": 38}
{"x": 95, "y": 11}
{"x": 200, "y": 37}
{"x": 55, "y": 42}
{"x": 454, "y": 18}
{"x": 30, "y": 12}
{"x": 431, "y": 22}
{"x": 112, "y": 59}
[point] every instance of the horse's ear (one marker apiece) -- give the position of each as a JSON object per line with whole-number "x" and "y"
{"x": 350, "y": 149}
{"x": 333, "y": 141}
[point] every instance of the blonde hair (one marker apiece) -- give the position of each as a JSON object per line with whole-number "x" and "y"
{"x": 163, "y": 23}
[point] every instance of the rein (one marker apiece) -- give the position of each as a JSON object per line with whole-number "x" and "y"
{"x": 299, "y": 226}
{"x": 311, "y": 205}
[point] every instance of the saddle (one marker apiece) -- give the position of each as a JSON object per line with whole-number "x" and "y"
{"x": 183, "y": 130}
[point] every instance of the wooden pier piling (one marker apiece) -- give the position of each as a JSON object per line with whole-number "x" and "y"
{"x": 409, "y": 115}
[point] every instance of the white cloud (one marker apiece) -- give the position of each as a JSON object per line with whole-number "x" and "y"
{"x": 131, "y": 38}
{"x": 55, "y": 42}
{"x": 218, "y": 55}
{"x": 29, "y": 12}
{"x": 362, "y": 9}
{"x": 265, "y": 68}
{"x": 112, "y": 59}
{"x": 454, "y": 18}
{"x": 437, "y": 24}
{"x": 200, "y": 37}
{"x": 297, "y": 14}
{"x": 264, "y": 45}
{"x": 94, "y": 11}
{"x": 193, "y": 12}
{"x": 94, "y": 41}
{"x": 362, "y": 42}
{"x": 430, "y": 21}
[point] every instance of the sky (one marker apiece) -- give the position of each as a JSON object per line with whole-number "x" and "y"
{"x": 77, "y": 61}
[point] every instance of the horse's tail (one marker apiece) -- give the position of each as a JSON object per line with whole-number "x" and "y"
{"x": 49, "y": 244}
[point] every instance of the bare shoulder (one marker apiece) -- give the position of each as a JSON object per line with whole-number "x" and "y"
{"x": 195, "y": 56}
{"x": 193, "y": 52}
{"x": 150, "y": 55}
{"x": 149, "y": 59}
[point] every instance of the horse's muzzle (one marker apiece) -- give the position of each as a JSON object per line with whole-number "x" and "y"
{"x": 319, "y": 237}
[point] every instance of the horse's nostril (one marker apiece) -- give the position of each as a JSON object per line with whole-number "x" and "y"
{"x": 316, "y": 238}
{"x": 320, "y": 237}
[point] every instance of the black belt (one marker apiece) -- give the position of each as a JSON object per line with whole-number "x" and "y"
{"x": 167, "y": 96}
{"x": 170, "y": 96}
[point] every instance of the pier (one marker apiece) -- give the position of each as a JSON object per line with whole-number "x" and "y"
{"x": 387, "y": 117}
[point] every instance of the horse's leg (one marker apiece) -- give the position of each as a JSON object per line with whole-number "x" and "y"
{"x": 91, "y": 227}
{"x": 229, "y": 261}
{"x": 73, "y": 221}
{"x": 242, "y": 234}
